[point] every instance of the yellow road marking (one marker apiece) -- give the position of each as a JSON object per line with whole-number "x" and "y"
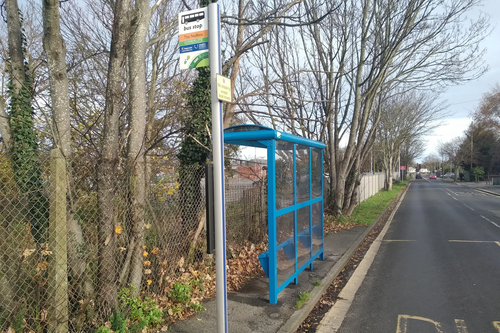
{"x": 461, "y": 327}
{"x": 403, "y": 323}
{"x": 496, "y": 324}
{"x": 486, "y": 193}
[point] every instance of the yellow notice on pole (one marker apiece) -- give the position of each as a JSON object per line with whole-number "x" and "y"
{"x": 224, "y": 89}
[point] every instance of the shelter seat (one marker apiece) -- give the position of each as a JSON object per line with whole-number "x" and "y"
{"x": 288, "y": 246}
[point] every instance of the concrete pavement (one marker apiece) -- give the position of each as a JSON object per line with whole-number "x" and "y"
{"x": 480, "y": 186}
{"x": 249, "y": 309}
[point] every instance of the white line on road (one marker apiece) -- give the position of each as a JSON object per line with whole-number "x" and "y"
{"x": 333, "y": 319}
{"x": 487, "y": 219}
{"x": 451, "y": 191}
{"x": 468, "y": 207}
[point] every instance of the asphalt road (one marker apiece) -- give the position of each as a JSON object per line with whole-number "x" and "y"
{"x": 438, "y": 267}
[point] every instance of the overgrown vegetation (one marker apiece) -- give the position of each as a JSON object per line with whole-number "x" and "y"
{"x": 24, "y": 151}
{"x": 303, "y": 297}
{"x": 133, "y": 314}
{"x": 366, "y": 212}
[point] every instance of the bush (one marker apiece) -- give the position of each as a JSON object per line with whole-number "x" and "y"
{"x": 133, "y": 314}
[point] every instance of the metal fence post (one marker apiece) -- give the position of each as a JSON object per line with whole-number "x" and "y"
{"x": 58, "y": 245}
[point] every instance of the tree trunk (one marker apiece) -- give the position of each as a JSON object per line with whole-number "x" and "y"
{"x": 109, "y": 157}
{"x": 16, "y": 53}
{"x": 5, "y": 131}
{"x": 388, "y": 173}
{"x": 135, "y": 154}
{"x": 55, "y": 50}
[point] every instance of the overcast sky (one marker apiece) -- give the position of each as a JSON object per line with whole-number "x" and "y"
{"x": 464, "y": 99}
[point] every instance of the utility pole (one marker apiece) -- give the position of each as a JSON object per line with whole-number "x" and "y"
{"x": 471, "y": 149}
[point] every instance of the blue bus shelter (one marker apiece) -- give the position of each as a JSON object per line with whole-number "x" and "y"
{"x": 295, "y": 201}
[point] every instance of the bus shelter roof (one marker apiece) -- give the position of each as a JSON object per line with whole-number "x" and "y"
{"x": 257, "y": 135}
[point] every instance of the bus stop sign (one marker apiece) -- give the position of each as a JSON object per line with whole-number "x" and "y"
{"x": 193, "y": 38}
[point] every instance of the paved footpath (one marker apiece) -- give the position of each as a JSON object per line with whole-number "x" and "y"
{"x": 249, "y": 310}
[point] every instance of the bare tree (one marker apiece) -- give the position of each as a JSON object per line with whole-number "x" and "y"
{"x": 141, "y": 16}
{"x": 370, "y": 47}
{"x": 451, "y": 150}
{"x": 488, "y": 111}
{"x": 109, "y": 155}
{"x": 55, "y": 49}
{"x": 406, "y": 117}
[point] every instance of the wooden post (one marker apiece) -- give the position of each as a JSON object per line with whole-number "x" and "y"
{"x": 58, "y": 245}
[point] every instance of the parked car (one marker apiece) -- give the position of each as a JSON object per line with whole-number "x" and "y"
{"x": 433, "y": 176}
{"x": 418, "y": 176}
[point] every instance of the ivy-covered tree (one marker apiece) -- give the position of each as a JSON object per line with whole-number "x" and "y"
{"x": 24, "y": 150}
{"x": 195, "y": 148}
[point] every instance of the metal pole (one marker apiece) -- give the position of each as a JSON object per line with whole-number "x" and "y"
{"x": 399, "y": 164}
{"x": 218, "y": 156}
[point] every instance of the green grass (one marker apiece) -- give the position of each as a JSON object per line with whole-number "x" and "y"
{"x": 303, "y": 297}
{"x": 317, "y": 283}
{"x": 367, "y": 212}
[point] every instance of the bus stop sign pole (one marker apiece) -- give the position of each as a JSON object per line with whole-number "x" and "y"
{"x": 218, "y": 163}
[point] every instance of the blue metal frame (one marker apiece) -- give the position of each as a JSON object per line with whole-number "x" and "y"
{"x": 264, "y": 137}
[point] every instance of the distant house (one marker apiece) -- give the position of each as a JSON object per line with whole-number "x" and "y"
{"x": 251, "y": 171}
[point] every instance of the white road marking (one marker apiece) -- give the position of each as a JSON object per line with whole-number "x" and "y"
{"x": 452, "y": 191}
{"x": 468, "y": 207}
{"x": 487, "y": 219}
{"x": 470, "y": 241}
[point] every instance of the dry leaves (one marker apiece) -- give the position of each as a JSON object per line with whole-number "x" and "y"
{"x": 42, "y": 266}
{"x": 333, "y": 225}
{"x": 242, "y": 265}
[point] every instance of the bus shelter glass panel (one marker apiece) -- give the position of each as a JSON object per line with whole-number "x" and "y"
{"x": 316, "y": 172}
{"x": 285, "y": 245}
{"x": 302, "y": 167}
{"x": 303, "y": 236}
{"x": 317, "y": 227}
{"x": 284, "y": 174}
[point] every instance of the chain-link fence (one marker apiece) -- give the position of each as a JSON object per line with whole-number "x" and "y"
{"x": 75, "y": 236}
